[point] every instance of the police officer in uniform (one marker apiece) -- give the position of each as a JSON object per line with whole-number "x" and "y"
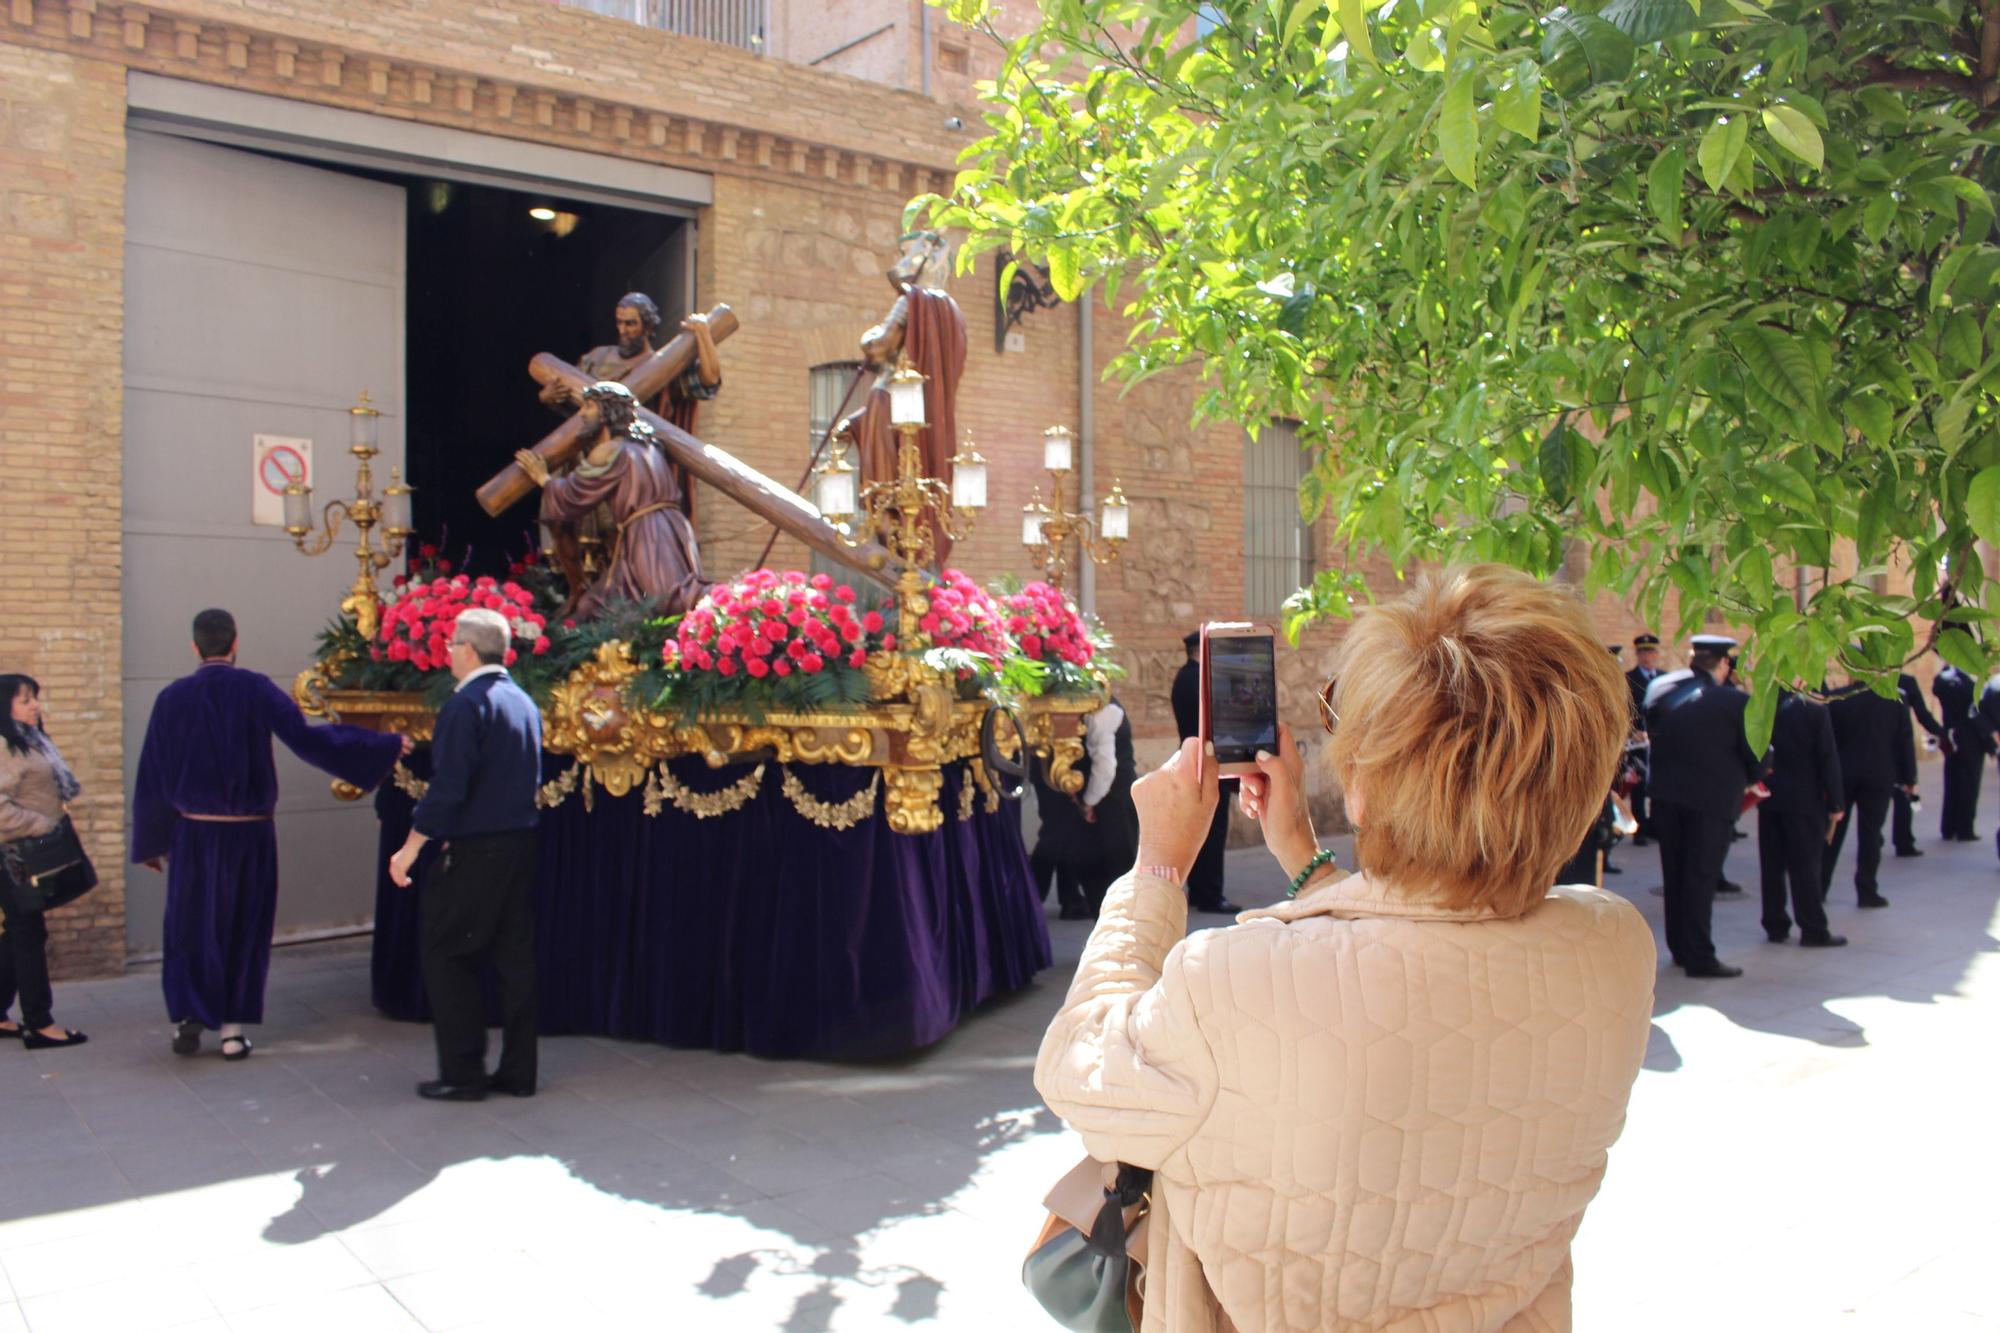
{"x": 1806, "y": 794}
{"x": 1967, "y": 743}
{"x": 1701, "y": 764}
{"x": 1646, "y": 650}
{"x": 1878, "y": 753}
{"x": 1901, "y": 835}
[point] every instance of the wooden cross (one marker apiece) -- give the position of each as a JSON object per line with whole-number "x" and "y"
{"x": 770, "y": 501}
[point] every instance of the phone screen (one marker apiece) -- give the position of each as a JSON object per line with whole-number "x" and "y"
{"x": 1243, "y": 697}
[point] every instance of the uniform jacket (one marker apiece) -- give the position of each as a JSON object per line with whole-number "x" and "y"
{"x": 1636, "y": 681}
{"x": 1913, "y": 695}
{"x": 1955, "y": 691}
{"x": 1805, "y": 774}
{"x": 1700, "y": 758}
{"x": 1364, "y": 1111}
{"x": 1878, "y": 747}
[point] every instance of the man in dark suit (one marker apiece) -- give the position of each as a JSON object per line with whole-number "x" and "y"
{"x": 1878, "y": 753}
{"x": 1792, "y": 826}
{"x": 1701, "y": 764}
{"x": 1901, "y": 836}
{"x": 1204, "y": 881}
{"x": 486, "y": 770}
{"x": 1646, "y": 649}
{"x": 1967, "y": 743}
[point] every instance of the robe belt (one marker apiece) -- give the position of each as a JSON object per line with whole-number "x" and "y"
{"x": 225, "y": 819}
{"x": 618, "y": 542}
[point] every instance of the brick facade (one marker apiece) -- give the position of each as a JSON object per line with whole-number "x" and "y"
{"x": 811, "y": 171}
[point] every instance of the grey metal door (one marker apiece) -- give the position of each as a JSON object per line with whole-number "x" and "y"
{"x": 261, "y": 297}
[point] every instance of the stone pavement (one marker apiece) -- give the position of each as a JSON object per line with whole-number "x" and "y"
{"x": 1809, "y": 1148}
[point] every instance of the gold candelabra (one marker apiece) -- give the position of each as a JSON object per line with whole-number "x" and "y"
{"x": 900, "y": 512}
{"x": 1046, "y": 529}
{"x": 364, "y": 511}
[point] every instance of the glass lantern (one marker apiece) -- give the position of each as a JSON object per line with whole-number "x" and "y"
{"x": 363, "y": 421}
{"x": 834, "y": 493}
{"x": 1116, "y": 520}
{"x": 397, "y": 520}
{"x": 298, "y": 509}
{"x": 1058, "y": 449}
{"x": 906, "y": 397}
{"x": 968, "y": 479}
{"x": 1032, "y": 515}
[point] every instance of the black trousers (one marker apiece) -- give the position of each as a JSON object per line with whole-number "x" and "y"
{"x": 1204, "y": 881}
{"x": 1867, "y": 808}
{"x": 1963, "y": 768}
{"x": 1069, "y": 885}
{"x": 24, "y": 965}
{"x": 1692, "y": 848}
{"x": 476, "y": 910}
{"x": 1791, "y": 846}
{"x": 1901, "y": 836}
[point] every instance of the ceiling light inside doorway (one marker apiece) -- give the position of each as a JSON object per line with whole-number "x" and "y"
{"x": 542, "y": 214}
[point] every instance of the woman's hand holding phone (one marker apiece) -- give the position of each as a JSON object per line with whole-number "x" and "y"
{"x": 1176, "y": 801}
{"x": 1275, "y": 796}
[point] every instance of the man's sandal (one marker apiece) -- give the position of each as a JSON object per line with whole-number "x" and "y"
{"x": 187, "y": 1037}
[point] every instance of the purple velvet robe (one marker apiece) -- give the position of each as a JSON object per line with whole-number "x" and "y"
{"x": 208, "y": 752}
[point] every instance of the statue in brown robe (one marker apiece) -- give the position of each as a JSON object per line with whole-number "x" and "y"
{"x": 926, "y": 326}
{"x": 654, "y": 559}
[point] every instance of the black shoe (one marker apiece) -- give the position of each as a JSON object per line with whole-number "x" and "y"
{"x": 1737, "y": 835}
{"x": 236, "y": 1048}
{"x": 1965, "y": 837}
{"x": 1641, "y": 840}
{"x": 1221, "y": 906}
{"x": 1715, "y": 970}
{"x": 1074, "y": 914}
{"x": 1907, "y": 852}
{"x": 437, "y": 1090}
{"x": 521, "y": 1089}
{"x": 1610, "y": 869}
{"x": 1778, "y": 936}
{"x": 1728, "y": 887}
{"x": 35, "y": 1041}
{"x": 1828, "y": 941}
{"x": 1874, "y": 900}
{"x": 187, "y": 1037}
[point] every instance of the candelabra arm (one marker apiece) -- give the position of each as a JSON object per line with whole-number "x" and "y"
{"x": 320, "y": 541}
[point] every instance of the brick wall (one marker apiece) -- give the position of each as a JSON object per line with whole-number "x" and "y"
{"x": 62, "y": 154}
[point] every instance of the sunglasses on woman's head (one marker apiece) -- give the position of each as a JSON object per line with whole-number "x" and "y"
{"x": 1327, "y": 717}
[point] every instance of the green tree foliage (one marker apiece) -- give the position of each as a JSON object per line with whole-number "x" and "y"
{"x": 1702, "y": 290}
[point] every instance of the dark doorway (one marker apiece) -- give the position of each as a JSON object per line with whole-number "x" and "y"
{"x": 496, "y": 276}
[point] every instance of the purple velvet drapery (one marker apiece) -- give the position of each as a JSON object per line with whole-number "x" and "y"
{"x": 757, "y": 930}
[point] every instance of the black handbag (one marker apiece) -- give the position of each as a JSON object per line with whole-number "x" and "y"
{"x": 49, "y": 869}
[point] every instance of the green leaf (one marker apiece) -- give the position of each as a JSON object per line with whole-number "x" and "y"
{"x": 1553, "y": 459}
{"x": 1301, "y": 11}
{"x": 1518, "y": 104}
{"x": 1877, "y": 216}
{"x": 1982, "y": 505}
{"x": 1650, "y": 20}
{"x": 1971, "y": 191}
{"x": 1457, "y": 127}
{"x": 1063, "y": 274}
{"x": 1949, "y": 422}
{"x": 1962, "y": 651}
{"x": 1720, "y": 146}
{"x": 1961, "y": 340}
{"x": 1354, "y": 27}
{"x": 1663, "y": 189}
{"x": 1579, "y": 50}
{"x": 1796, "y": 134}
{"x": 1780, "y": 364}
{"x": 1762, "y": 713}
{"x": 1870, "y": 414}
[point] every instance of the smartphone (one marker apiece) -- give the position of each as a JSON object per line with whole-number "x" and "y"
{"x": 1239, "y": 694}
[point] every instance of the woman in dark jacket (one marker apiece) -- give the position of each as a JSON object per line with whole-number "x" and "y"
{"x": 35, "y": 786}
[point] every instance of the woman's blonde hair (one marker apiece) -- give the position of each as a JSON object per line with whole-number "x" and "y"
{"x": 1482, "y": 721}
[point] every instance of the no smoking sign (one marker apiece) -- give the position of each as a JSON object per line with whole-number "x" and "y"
{"x": 277, "y": 461}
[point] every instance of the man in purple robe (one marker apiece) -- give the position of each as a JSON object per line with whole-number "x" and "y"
{"x": 201, "y": 810}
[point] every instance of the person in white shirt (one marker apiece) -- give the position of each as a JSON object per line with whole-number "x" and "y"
{"x": 1107, "y": 800}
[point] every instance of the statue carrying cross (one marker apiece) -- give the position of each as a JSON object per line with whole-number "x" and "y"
{"x": 704, "y": 463}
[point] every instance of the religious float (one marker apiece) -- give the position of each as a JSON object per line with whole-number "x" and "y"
{"x": 777, "y": 818}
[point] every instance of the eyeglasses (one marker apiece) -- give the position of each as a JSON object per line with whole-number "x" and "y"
{"x": 1327, "y": 717}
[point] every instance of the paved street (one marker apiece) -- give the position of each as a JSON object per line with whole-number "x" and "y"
{"x": 1808, "y": 1149}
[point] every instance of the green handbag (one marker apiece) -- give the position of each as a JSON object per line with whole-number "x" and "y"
{"x": 1087, "y": 1267}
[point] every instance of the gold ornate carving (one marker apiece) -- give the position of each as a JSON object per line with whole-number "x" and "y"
{"x": 403, "y": 714}
{"x": 557, "y": 790}
{"x": 409, "y": 783}
{"x": 347, "y": 791}
{"x": 967, "y": 790}
{"x": 663, "y": 788}
{"x": 912, "y": 800}
{"x": 842, "y": 815}
{"x": 588, "y": 717}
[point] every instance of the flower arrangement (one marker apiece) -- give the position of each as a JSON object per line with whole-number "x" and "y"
{"x": 1047, "y": 629}
{"x": 774, "y": 640}
{"x": 417, "y": 620}
{"x": 965, "y": 616}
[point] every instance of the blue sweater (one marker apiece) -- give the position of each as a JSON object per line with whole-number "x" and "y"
{"x": 486, "y": 762}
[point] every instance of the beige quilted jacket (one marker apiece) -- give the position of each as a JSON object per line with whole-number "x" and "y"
{"x": 1365, "y": 1112}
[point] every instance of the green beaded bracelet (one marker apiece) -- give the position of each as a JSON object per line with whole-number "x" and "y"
{"x": 1320, "y": 858}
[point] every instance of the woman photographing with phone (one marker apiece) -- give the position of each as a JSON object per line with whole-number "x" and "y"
{"x": 35, "y": 789}
{"x": 1386, "y": 1102}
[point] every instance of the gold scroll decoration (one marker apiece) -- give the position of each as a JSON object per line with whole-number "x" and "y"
{"x": 589, "y": 719}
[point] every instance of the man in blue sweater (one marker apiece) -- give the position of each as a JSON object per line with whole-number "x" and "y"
{"x": 486, "y": 769}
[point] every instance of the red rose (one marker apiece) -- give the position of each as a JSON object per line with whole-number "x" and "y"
{"x": 781, "y": 667}
{"x": 444, "y": 566}
{"x": 872, "y": 622}
{"x": 822, "y": 581}
{"x": 858, "y": 658}
{"x": 774, "y": 630}
{"x": 796, "y": 649}
{"x": 851, "y": 632}
{"x": 511, "y": 658}
{"x": 757, "y": 667}
{"x": 889, "y": 643}
{"x": 726, "y": 666}
{"x": 812, "y": 663}
{"x": 399, "y": 651}
{"x": 844, "y": 593}
{"x": 541, "y": 645}
{"x": 421, "y": 661}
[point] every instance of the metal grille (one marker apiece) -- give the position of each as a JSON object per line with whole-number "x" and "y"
{"x": 731, "y": 22}
{"x": 1277, "y": 545}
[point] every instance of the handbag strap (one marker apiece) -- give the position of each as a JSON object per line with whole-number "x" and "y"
{"x": 1107, "y": 1233}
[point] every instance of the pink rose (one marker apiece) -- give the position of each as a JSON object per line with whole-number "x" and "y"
{"x": 858, "y": 658}
{"x": 781, "y": 667}
{"x": 757, "y": 667}
{"x": 872, "y": 622}
{"x": 812, "y": 663}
